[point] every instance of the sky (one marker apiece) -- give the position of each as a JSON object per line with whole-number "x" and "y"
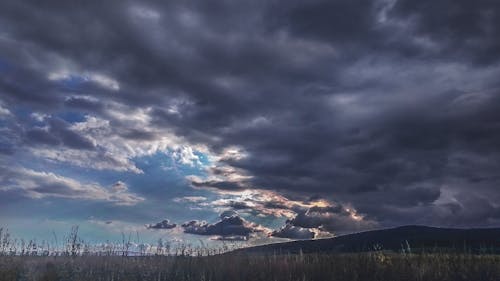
{"x": 250, "y": 121}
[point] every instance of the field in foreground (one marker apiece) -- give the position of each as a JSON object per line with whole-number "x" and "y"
{"x": 234, "y": 267}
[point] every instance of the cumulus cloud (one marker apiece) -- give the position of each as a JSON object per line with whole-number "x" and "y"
{"x": 164, "y": 224}
{"x": 35, "y": 184}
{"x": 230, "y": 225}
{"x": 321, "y": 217}
{"x": 293, "y": 232}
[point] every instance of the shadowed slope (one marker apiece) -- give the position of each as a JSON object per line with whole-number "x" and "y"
{"x": 407, "y": 238}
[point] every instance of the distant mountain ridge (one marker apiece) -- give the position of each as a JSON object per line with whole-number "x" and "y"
{"x": 405, "y": 238}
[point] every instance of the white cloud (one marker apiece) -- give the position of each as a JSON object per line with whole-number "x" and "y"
{"x": 4, "y": 111}
{"x": 38, "y": 185}
{"x": 185, "y": 155}
{"x": 116, "y": 145}
{"x": 99, "y": 160}
{"x": 40, "y": 117}
{"x": 145, "y": 13}
{"x": 190, "y": 199}
{"x": 97, "y": 78}
{"x": 103, "y": 81}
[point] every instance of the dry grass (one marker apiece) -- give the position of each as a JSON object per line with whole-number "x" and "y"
{"x": 235, "y": 267}
{"x": 73, "y": 259}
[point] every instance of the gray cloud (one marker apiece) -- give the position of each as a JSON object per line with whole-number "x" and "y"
{"x": 336, "y": 220}
{"x": 461, "y": 29}
{"x": 230, "y": 224}
{"x": 293, "y": 232}
{"x": 58, "y": 133}
{"x": 164, "y": 224}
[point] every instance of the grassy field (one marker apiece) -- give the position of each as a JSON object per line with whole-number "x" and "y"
{"x": 74, "y": 259}
{"x": 234, "y": 267}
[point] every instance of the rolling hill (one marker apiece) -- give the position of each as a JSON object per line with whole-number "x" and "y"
{"x": 405, "y": 238}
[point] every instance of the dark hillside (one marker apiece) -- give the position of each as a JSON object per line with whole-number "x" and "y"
{"x": 413, "y": 238}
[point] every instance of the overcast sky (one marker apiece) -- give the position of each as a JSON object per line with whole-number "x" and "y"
{"x": 248, "y": 120}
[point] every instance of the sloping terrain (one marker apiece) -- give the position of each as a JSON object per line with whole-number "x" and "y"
{"x": 405, "y": 238}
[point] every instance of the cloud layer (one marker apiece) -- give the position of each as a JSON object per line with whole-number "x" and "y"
{"x": 390, "y": 108}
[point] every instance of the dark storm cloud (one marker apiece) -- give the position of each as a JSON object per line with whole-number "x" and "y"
{"x": 392, "y": 107}
{"x": 344, "y": 22}
{"x": 470, "y": 29}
